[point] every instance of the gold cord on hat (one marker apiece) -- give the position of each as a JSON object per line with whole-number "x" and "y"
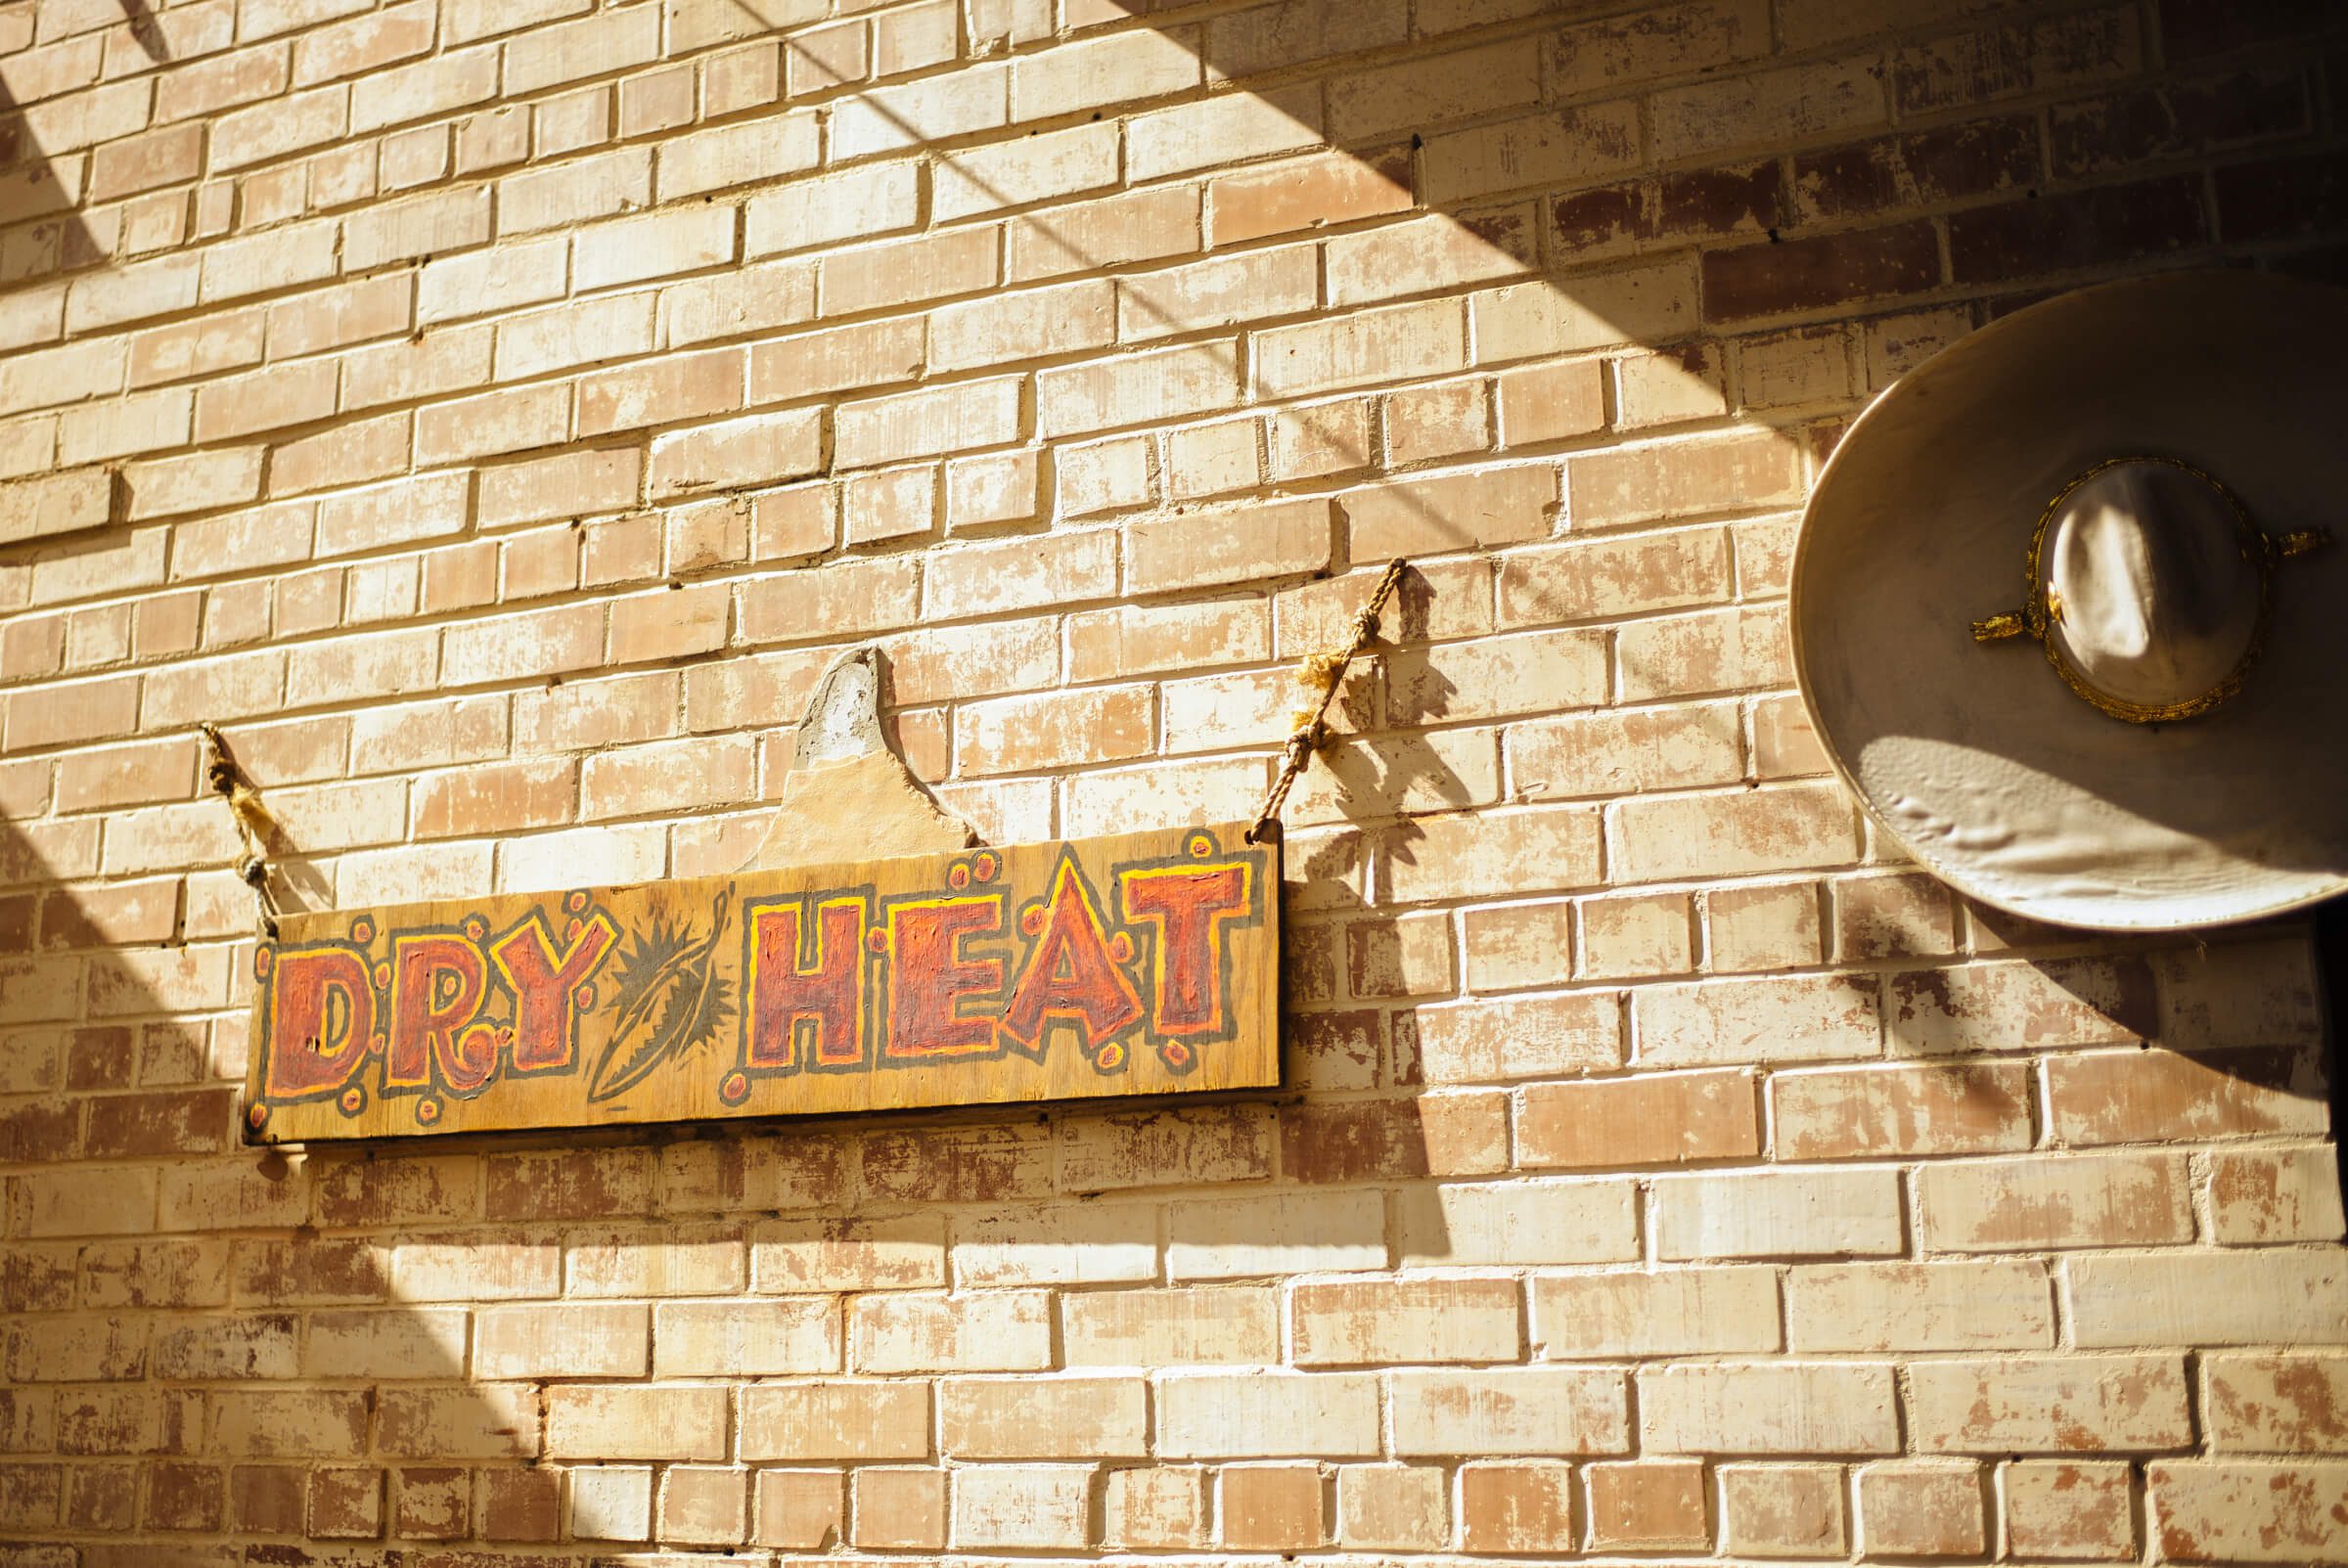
{"x": 2043, "y": 609}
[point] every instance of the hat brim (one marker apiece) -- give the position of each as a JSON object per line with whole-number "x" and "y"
{"x": 1977, "y": 758}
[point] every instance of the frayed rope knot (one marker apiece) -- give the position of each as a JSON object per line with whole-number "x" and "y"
{"x": 254, "y": 825}
{"x": 1321, "y": 675}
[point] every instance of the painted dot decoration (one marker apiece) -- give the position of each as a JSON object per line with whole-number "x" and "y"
{"x": 475, "y": 928}
{"x": 1177, "y": 1054}
{"x": 958, "y": 876}
{"x": 586, "y": 996}
{"x": 382, "y": 977}
{"x": 877, "y": 939}
{"x": 255, "y": 1114}
{"x": 262, "y": 957}
{"x": 428, "y": 1111}
{"x": 733, "y": 1088}
{"x": 1200, "y": 846}
{"x": 1120, "y": 948}
{"x": 571, "y": 930}
{"x": 985, "y": 867}
{"x": 353, "y": 1100}
{"x": 1031, "y": 920}
{"x": 362, "y": 931}
{"x": 1110, "y": 1057}
{"x": 576, "y": 903}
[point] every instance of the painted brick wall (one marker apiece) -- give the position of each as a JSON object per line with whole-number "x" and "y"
{"x": 495, "y": 413}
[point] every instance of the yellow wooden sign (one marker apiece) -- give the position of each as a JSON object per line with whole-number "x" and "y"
{"x": 1142, "y": 965}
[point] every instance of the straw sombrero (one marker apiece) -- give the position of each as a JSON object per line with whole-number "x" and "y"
{"x": 2064, "y": 616}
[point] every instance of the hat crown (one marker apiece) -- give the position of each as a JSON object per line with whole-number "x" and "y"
{"x": 2153, "y": 597}
{"x": 1941, "y": 683}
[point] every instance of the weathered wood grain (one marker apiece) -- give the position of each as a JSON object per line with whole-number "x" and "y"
{"x": 1141, "y": 964}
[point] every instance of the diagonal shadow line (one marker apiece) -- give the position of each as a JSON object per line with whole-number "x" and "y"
{"x": 30, "y": 189}
{"x": 149, "y": 33}
{"x": 1150, "y": 308}
{"x": 1389, "y": 785}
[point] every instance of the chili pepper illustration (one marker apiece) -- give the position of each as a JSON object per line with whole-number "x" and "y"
{"x": 668, "y": 1000}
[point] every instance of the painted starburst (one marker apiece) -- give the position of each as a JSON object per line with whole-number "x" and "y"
{"x": 668, "y": 1000}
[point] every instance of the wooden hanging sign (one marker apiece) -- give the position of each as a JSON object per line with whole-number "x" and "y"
{"x": 1139, "y": 964}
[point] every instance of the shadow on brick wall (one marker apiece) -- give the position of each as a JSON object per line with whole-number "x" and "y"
{"x": 252, "y": 1354}
{"x": 41, "y": 230}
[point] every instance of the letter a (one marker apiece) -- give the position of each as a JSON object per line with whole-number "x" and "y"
{"x": 1069, "y": 973}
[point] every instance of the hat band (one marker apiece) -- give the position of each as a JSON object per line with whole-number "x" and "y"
{"x": 2043, "y": 609}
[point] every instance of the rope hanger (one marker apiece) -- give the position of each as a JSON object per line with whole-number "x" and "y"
{"x": 253, "y": 824}
{"x": 1320, "y": 673}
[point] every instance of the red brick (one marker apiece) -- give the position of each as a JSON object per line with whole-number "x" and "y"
{"x": 1783, "y": 1511}
{"x": 97, "y": 1057}
{"x": 36, "y": 1280}
{"x": 1879, "y": 1112}
{"x": 102, "y": 1497}
{"x": 1377, "y": 1321}
{"x": 58, "y": 714}
{"x": 346, "y": 1503}
{"x": 228, "y": 1349}
{"x": 40, "y": 1130}
{"x": 1947, "y": 163}
{"x": 521, "y": 1504}
{"x": 1238, "y": 545}
{"x": 1161, "y": 1147}
{"x": 2177, "y": 120}
{"x": 1649, "y": 1119}
{"x": 1607, "y": 220}
{"x": 1292, "y": 32}
{"x": 958, "y": 1165}
{"x": 18, "y": 916}
{"x": 312, "y": 1271}
{"x": 1649, "y": 1506}
{"x": 2284, "y": 198}
{"x": 124, "y": 913}
{"x": 670, "y": 625}
{"x": 2017, "y": 57}
{"x": 1830, "y": 270}
{"x": 2066, "y": 1510}
{"x": 265, "y": 1499}
{"x": 1450, "y": 1134}
{"x": 1518, "y": 1508}
{"x": 432, "y": 1503}
{"x": 1273, "y": 1508}
{"x": 2082, "y": 229}
{"x": 504, "y": 797}
{"x": 2269, "y": 1512}
{"x": 183, "y": 1495}
{"x": 1920, "y": 1510}
{"x": 1708, "y": 204}
{"x": 903, "y": 1510}
{"x": 1306, "y": 194}
{"x": 393, "y": 1191}
{"x": 1015, "y": 735}
{"x": 162, "y": 1122}
{"x": 2191, "y": 27}
{"x": 570, "y": 1184}
{"x": 2126, "y": 1097}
